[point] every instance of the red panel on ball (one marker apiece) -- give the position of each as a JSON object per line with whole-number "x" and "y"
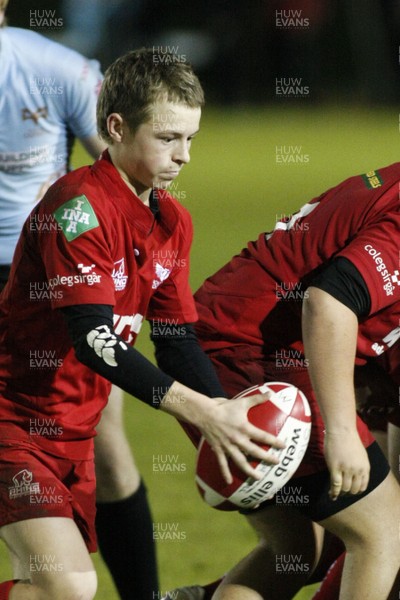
{"x": 286, "y": 415}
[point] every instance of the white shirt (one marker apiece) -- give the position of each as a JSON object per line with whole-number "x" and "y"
{"x": 48, "y": 96}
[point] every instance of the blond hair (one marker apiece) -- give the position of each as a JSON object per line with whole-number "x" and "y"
{"x": 135, "y": 81}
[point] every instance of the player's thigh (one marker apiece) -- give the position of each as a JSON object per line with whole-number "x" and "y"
{"x": 394, "y": 449}
{"x": 116, "y": 473}
{"x": 373, "y": 521}
{"x": 287, "y": 532}
{"x": 111, "y": 444}
{"x": 289, "y": 545}
{"x": 112, "y": 414}
{"x": 50, "y": 552}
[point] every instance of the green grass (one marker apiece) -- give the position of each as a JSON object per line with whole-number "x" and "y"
{"x": 234, "y": 189}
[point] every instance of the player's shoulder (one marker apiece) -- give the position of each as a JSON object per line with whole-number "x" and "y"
{"x": 363, "y": 195}
{"x": 376, "y": 179}
{"x": 22, "y": 37}
{"x": 78, "y": 203}
{"x": 382, "y": 186}
{"x": 27, "y": 41}
{"x": 387, "y": 173}
{"x": 78, "y": 184}
{"x": 33, "y": 49}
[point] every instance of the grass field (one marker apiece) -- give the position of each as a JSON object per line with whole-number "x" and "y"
{"x": 236, "y": 187}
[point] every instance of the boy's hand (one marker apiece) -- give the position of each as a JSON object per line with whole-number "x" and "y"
{"x": 231, "y": 434}
{"x": 225, "y": 425}
{"x": 348, "y": 463}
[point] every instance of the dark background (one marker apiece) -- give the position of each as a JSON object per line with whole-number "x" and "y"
{"x": 342, "y": 48}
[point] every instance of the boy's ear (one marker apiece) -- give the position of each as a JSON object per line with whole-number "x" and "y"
{"x": 115, "y": 127}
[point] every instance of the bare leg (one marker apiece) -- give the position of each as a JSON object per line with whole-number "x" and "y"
{"x": 127, "y": 547}
{"x": 49, "y": 554}
{"x": 369, "y": 528}
{"x": 370, "y": 531}
{"x": 116, "y": 473}
{"x": 281, "y": 564}
{"x": 394, "y": 449}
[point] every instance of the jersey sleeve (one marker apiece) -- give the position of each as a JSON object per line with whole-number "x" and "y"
{"x": 343, "y": 281}
{"x": 76, "y": 256}
{"x": 173, "y": 299}
{"x": 375, "y": 252}
{"x": 81, "y": 83}
{"x": 98, "y": 347}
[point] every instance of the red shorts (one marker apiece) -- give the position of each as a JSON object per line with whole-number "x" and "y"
{"x": 34, "y": 484}
{"x": 240, "y": 367}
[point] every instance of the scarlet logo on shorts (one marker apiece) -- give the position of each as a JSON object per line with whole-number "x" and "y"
{"x": 389, "y": 280}
{"x": 23, "y": 485}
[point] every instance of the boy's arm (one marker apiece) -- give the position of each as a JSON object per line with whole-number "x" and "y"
{"x": 224, "y": 423}
{"x": 179, "y": 354}
{"x": 330, "y": 336}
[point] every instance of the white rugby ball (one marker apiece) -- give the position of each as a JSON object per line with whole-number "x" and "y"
{"x": 287, "y": 416}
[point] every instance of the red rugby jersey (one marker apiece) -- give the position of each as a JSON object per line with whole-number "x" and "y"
{"x": 256, "y": 298}
{"x": 89, "y": 241}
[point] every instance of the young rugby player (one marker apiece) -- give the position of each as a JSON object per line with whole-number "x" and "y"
{"x": 304, "y": 304}
{"x": 39, "y": 82}
{"x": 79, "y": 288}
{"x": 49, "y": 96}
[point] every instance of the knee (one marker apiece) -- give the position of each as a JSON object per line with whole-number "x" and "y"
{"x": 297, "y": 537}
{"x": 112, "y": 450}
{"x": 84, "y": 586}
{"x": 372, "y": 523}
{"x": 117, "y": 477}
{"x": 70, "y": 586}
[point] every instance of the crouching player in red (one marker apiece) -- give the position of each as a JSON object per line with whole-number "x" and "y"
{"x": 378, "y": 403}
{"x": 81, "y": 283}
{"x": 304, "y": 304}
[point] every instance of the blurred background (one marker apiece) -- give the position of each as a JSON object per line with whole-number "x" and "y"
{"x": 335, "y": 47}
{"x": 300, "y": 95}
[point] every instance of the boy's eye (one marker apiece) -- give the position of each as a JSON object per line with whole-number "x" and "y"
{"x": 169, "y": 139}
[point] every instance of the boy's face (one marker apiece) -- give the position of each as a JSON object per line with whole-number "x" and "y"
{"x": 156, "y": 152}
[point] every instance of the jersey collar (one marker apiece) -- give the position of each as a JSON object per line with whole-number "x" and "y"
{"x": 162, "y": 209}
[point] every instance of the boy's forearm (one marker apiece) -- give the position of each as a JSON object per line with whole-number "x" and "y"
{"x": 183, "y": 359}
{"x": 185, "y": 404}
